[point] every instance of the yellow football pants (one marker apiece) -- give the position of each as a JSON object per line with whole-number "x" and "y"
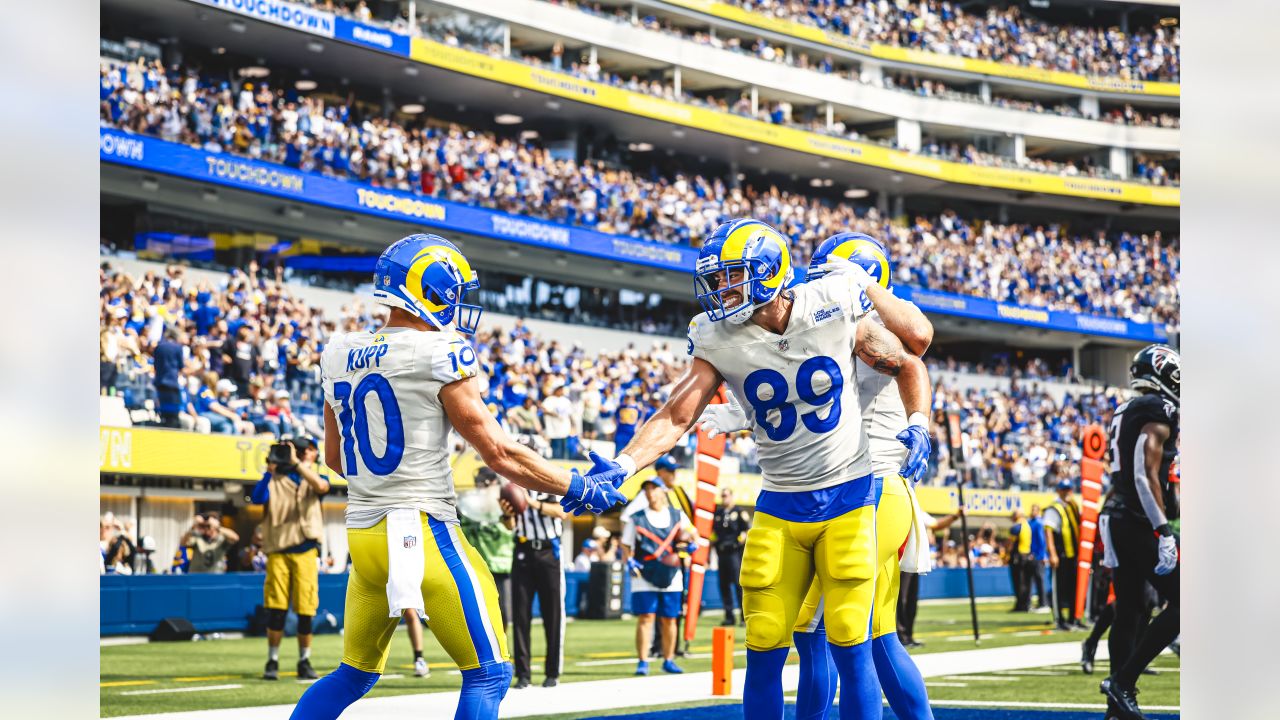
{"x": 460, "y": 598}
{"x": 780, "y": 562}
{"x": 295, "y": 575}
{"x": 893, "y": 523}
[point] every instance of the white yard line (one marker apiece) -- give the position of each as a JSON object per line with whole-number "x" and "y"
{"x": 641, "y": 692}
{"x": 1043, "y": 705}
{"x": 199, "y": 688}
{"x": 980, "y": 678}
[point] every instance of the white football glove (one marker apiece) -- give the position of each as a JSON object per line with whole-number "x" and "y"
{"x": 843, "y": 266}
{"x": 1167, "y": 555}
{"x": 723, "y": 418}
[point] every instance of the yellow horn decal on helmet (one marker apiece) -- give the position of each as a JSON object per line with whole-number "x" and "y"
{"x": 736, "y": 243}
{"x": 424, "y": 260}
{"x": 847, "y": 249}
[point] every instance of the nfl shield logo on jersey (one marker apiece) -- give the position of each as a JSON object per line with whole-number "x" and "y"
{"x": 783, "y": 345}
{"x": 410, "y": 541}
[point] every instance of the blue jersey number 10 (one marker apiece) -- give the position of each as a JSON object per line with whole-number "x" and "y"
{"x": 787, "y": 413}
{"x": 355, "y": 425}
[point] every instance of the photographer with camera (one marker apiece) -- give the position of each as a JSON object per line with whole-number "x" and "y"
{"x": 292, "y": 526}
{"x": 207, "y": 543}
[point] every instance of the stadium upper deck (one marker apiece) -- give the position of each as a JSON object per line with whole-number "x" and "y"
{"x": 792, "y": 141}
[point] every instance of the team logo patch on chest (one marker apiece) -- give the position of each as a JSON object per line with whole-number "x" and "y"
{"x": 826, "y": 314}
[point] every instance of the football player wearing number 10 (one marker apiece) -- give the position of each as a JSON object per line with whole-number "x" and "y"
{"x": 391, "y": 397}
{"x": 788, "y": 355}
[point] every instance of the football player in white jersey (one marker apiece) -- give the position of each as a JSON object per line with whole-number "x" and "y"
{"x": 896, "y": 471}
{"x": 788, "y": 354}
{"x": 391, "y": 397}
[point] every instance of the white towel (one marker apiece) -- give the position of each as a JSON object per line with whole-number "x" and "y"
{"x": 916, "y": 557}
{"x": 406, "y": 562}
{"x": 1109, "y": 558}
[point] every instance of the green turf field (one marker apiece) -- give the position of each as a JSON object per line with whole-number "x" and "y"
{"x": 594, "y": 650}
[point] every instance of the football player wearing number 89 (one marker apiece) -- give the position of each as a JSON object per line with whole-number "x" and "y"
{"x": 788, "y": 355}
{"x": 391, "y": 397}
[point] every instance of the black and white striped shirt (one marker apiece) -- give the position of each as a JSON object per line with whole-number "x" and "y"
{"x": 533, "y": 525}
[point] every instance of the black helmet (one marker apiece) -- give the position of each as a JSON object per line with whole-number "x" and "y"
{"x": 1157, "y": 368}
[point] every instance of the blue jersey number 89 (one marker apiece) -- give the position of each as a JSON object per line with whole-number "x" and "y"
{"x": 787, "y": 412}
{"x": 353, "y": 418}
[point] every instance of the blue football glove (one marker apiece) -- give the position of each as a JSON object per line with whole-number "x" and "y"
{"x": 634, "y": 566}
{"x": 918, "y": 443}
{"x": 606, "y": 470}
{"x": 590, "y": 493}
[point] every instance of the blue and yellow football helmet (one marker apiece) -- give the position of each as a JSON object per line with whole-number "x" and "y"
{"x": 858, "y": 248}
{"x": 426, "y": 276}
{"x": 752, "y": 247}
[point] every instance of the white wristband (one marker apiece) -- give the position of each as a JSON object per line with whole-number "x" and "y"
{"x": 627, "y": 463}
{"x": 919, "y": 419}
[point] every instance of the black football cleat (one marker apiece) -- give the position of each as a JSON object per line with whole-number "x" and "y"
{"x": 1088, "y": 649}
{"x": 522, "y": 683}
{"x": 551, "y": 682}
{"x": 1122, "y": 703}
{"x": 271, "y": 671}
{"x": 305, "y": 671}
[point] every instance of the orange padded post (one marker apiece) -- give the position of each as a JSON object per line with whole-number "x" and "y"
{"x": 1091, "y": 470}
{"x": 722, "y": 661}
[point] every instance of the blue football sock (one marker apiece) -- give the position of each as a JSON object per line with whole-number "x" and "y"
{"x": 859, "y": 690}
{"x": 818, "y": 676}
{"x": 762, "y": 693}
{"x": 331, "y": 694}
{"x": 900, "y": 678}
{"x": 482, "y": 691}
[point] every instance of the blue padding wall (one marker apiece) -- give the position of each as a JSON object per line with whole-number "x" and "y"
{"x": 133, "y": 605}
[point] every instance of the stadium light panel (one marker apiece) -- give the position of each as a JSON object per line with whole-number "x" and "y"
{"x": 315, "y": 46}
{"x": 412, "y": 108}
{"x": 855, "y": 193}
{"x": 815, "y": 182}
{"x": 677, "y": 132}
{"x": 640, "y": 147}
{"x": 508, "y": 119}
{"x": 553, "y": 105}
{"x": 237, "y": 27}
{"x": 254, "y": 71}
{"x": 305, "y": 85}
{"x": 753, "y": 149}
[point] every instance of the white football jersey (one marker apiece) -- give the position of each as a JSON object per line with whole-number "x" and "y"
{"x": 883, "y": 415}
{"x": 384, "y": 389}
{"x": 798, "y": 389}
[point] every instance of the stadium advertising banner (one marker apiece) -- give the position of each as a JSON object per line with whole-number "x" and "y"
{"x": 1101, "y": 83}
{"x": 556, "y": 83}
{"x": 373, "y": 37}
{"x": 292, "y": 15}
{"x": 174, "y": 159}
{"x": 170, "y": 453}
{"x": 182, "y": 161}
{"x": 984, "y": 309}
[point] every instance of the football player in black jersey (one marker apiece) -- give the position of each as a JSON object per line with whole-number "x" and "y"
{"x": 1144, "y": 438}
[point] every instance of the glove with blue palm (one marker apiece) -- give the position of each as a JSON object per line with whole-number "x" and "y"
{"x": 590, "y": 493}
{"x": 916, "y": 439}
{"x": 634, "y": 566}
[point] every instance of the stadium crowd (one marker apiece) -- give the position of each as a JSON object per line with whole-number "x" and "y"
{"x": 1001, "y": 34}
{"x": 764, "y": 50}
{"x": 1122, "y": 275}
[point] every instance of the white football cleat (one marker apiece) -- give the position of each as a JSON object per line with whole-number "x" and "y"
{"x": 420, "y": 668}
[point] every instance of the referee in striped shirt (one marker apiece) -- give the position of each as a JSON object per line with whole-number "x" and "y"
{"x": 536, "y": 570}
